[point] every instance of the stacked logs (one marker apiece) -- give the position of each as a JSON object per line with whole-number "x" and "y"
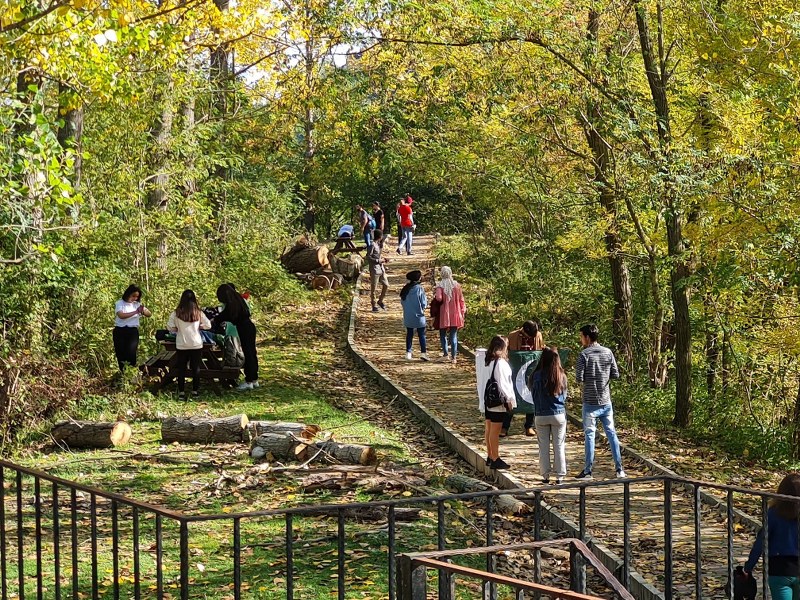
{"x": 314, "y": 265}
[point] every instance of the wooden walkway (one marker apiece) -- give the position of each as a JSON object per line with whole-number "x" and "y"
{"x": 449, "y": 392}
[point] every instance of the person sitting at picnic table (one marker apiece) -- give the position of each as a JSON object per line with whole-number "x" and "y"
{"x": 185, "y": 322}
{"x": 344, "y": 239}
{"x": 237, "y": 312}
{"x": 127, "y": 311}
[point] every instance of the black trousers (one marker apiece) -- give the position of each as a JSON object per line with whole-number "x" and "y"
{"x": 193, "y": 357}
{"x": 126, "y": 343}
{"x": 247, "y": 335}
{"x": 528, "y": 420}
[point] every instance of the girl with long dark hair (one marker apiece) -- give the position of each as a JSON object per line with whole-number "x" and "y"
{"x": 127, "y": 313}
{"x": 237, "y": 313}
{"x": 549, "y": 390}
{"x": 495, "y": 363}
{"x": 185, "y": 322}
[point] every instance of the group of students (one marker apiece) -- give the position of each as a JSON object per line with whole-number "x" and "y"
{"x": 596, "y": 367}
{"x": 186, "y": 322}
{"x": 371, "y": 224}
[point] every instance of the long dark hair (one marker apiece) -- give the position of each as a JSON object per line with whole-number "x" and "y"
{"x": 498, "y": 348}
{"x": 553, "y": 375}
{"x": 790, "y": 486}
{"x": 188, "y": 310}
{"x": 234, "y": 303}
{"x": 130, "y": 290}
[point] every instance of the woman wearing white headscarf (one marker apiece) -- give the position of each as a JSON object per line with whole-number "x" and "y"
{"x": 451, "y": 312}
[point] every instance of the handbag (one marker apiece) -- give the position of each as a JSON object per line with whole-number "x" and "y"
{"x": 232, "y": 352}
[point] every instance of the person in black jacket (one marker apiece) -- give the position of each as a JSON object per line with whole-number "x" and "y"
{"x": 237, "y": 312}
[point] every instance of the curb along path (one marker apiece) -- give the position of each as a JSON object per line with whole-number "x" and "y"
{"x": 447, "y": 394}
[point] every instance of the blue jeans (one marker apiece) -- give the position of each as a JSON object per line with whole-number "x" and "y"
{"x": 368, "y": 237}
{"x": 450, "y": 333}
{"x": 410, "y": 338}
{"x": 783, "y": 587}
{"x": 606, "y": 415}
{"x": 406, "y": 236}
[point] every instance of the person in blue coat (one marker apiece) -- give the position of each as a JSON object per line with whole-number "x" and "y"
{"x": 549, "y": 391}
{"x": 414, "y": 302}
{"x": 782, "y": 515}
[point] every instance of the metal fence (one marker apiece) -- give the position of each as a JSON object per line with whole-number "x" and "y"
{"x": 61, "y": 539}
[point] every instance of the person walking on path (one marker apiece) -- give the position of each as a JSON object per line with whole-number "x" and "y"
{"x": 549, "y": 390}
{"x": 528, "y": 337}
{"x": 185, "y": 322}
{"x": 595, "y": 369}
{"x": 127, "y": 312}
{"x": 414, "y": 302}
{"x": 784, "y": 549}
{"x": 452, "y": 310}
{"x": 366, "y": 223}
{"x": 377, "y": 271}
{"x": 380, "y": 223}
{"x": 405, "y": 222}
{"x": 494, "y": 364}
{"x": 237, "y": 312}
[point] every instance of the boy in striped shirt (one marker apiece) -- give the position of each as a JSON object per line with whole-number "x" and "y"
{"x": 595, "y": 369}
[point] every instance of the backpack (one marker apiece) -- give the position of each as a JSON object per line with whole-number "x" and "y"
{"x": 492, "y": 397}
{"x": 371, "y": 222}
{"x": 232, "y": 353}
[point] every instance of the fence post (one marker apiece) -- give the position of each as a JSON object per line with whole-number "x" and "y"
{"x": 411, "y": 581}
{"x": 577, "y": 570}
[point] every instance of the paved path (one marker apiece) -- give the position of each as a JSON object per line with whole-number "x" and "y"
{"x": 449, "y": 392}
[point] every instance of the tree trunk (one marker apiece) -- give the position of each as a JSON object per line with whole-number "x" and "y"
{"x": 189, "y": 185}
{"x": 75, "y": 434}
{"x": 505, "y": 503}
{"x": 603, "y": 175}
{"x": 220, "y": 75}
{"x": 204, "y": 430}
{"x": 278, "y": 446}
{"x": 158, "y": 190}
{"x": 305, "y": 260}
{"x": 70, "y": 132}
{"x": 349, "y": 453}
{"x": 796, "y": 424}
{"x": 657, "y": 78}
{"x": 711, "y": 350}
{"x": 299, "y": 430}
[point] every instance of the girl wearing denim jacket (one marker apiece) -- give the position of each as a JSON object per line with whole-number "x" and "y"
{"x": 782, "y": 515}
{"x": 549, "y": 390}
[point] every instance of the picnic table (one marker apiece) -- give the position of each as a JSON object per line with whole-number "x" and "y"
{"x": 212, "y": 368}
{"x": 345, "y": 244}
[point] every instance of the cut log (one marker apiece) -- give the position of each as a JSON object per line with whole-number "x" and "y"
{"x": 349, "y": 268}
{"x": 305, "y": 260}
{"x": 84, "y": 434}
{"x": 505, "y": 503}
{"x": 278, "y": 446}
{"x": 300, "y": 430}
{"x": 349, "y": 453}
{"x": 204, "y": 430}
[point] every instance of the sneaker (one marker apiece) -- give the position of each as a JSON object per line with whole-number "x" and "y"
{"x": 504, "y": 433}
{"x": 424, "y": 357}
{"x": 559, "y": 480}
{"x": 546, "y": 479}
{"x": 398, "y": 250}
{"x": 445, "y": 355}
{"x": 408, "y": 355}
{"x": 489, "y": 462}
{"x": 454, "y": 361}
{"x": 621, "y": 474}
{"x": 255, "y": 384}
{"x": 382, "y": 305}
{"x": 500, "y": 464}
{"x": 375, "y": 309}
{"x": 181, "y": 395}
{"x": 195, "y": 394}
{"x": 245, "y": 385}
{"x": 584, "y": 475}
{"x": 530, "y": 432}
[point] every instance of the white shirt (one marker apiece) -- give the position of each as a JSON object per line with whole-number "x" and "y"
{"x": 503, "y": 376}
{"x": 188, "y": 335}
{"x": 126, "y": 307}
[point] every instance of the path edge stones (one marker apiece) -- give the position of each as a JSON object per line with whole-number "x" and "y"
{"x": 640, "y": 588}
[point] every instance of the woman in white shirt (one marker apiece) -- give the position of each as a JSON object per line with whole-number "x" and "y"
{"x": 185, "y": 322}
{"x": 495, "y": 361}
{"x": 127, "y": 312}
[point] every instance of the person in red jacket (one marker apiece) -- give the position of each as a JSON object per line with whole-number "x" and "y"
{"x": 452, "y": 310}
{"x": 405, "y": 221}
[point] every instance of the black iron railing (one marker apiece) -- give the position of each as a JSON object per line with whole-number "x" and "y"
{"x": 60, "y": 539}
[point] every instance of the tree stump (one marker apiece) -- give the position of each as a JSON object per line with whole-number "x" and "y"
{"x": 280, "y": 446}
{"x": 84, "y": 434}
{"x": 299, "y": 430}
{"x": 353, "y": 454}
{"x": 204, "y": 430}
{"x": 349, "y": 268}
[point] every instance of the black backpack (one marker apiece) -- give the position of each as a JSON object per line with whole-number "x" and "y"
{"x": 492, "y": 397}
